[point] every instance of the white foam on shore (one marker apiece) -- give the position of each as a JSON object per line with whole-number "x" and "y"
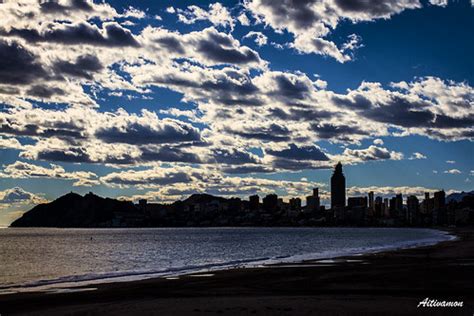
{"x": 81, "y": 282}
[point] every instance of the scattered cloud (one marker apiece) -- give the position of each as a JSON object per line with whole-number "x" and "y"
{"x": 23, "y": 170}
{"x": 181, "y": 182}
{"x": 378, "y": 141}
{"x": 441, "y": 3}
{"x": 417, "y": 155}
{"x": 312, "y": 21}
{"x": 368, "y": 154}
{"x": 259, "y": 38}
{"x": 52, "y": 92}
{"x": 453, "y": 171}
{"x": 388, "y": 191}
{"x": 216, "y": 13}
{"x": 18, "y": 195}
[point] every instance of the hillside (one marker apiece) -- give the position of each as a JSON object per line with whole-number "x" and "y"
{"x": 74, "y": 210}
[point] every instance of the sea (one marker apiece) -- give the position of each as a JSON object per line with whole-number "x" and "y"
{"x": 55, "y": 260}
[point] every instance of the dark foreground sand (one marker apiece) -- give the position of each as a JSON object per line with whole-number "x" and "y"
{"x": 391, "y": 283}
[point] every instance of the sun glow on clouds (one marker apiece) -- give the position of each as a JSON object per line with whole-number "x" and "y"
{"x": 52, "y": 87}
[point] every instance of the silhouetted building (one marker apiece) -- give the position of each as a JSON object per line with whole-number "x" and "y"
{"x": 378, "y": 207}
{"x": 439, "y": 208}
{"x": 254, "y": 202}
{"x": 399, "y": 211}
{"x": 270, "y": 202}
{"x": 142, "y": 203}
{"x": 392, "y": 206}
{"x": 338, "y": 188}
{"x": 371, "y": 203}
{"x": 313, "y": 201}
{"x": 295, "y": 204}
{"x": 413, "y": 208}
{"x": 356, "y": 212}
{"x": 357, "y": 202}
{"x": 386, "y": 208}
{"x": 398, "y": 203}
{"x": 439, "y": 200}
{"x": 427, "y": 205}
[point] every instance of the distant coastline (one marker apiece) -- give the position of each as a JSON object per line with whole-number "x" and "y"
{"x": 202, "y": 210}
{"x": 205, "y": 210}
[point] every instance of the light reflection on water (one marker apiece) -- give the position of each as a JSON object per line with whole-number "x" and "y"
{"x": 43, "y": 256}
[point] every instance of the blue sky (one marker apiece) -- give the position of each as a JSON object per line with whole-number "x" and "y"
{"x": 136, "y": 99}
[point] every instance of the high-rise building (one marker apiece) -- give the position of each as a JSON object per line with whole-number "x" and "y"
{"x": 386, "y": 208}
{"x": 313, "y": 202}
{"x": 439, "y": 200}
{"x": 413, "y": 207}
{"x": 439, "y": 208}
{"x": 357, "y": 202}
{"x": 295, "y": 204}
{"x": 393, "y": 207}
{"x": 254, "y": 202}
{"x": 428, "y": 204}
{"x": 378, "y": 207}
{"x": 398, "y": 203}
{"x": 371, "y": 202}
{"x": 338, "y": 188}
{"x": 270, "y": 202}
{"x": 316, "y": 192}
{"x": 399, "y": 207}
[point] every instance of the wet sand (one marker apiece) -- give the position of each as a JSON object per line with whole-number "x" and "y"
{"x": 389, "y": 283}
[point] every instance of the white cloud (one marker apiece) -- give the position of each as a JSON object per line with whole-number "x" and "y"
{"x": 367, "y": 154}
{"x": 378, "y": 141}
{"x": 452, "y": 162}
{"x": 243, "y": 19}
{"x": 417, "y": 155}
{"x": 453, "y": 171}
{"x": 23, "y": 170}
{"x": 14, "y": 196}
{"x": 135, "y": 13}
{"x": 9, "y": 143}
{"x": 312, "y": 21}
{"x": 217, "y": 14}
{"x": 388, "y": 191}
{"x": 239, "y": 102}
{"x": 86, "y": 135}
{"x": 179, "y": 182}
{"x": 259, "y": 38}
{"x": 441, "y": 3}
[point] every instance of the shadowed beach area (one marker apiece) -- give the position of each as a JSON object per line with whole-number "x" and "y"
{"x": 390, "y": 283}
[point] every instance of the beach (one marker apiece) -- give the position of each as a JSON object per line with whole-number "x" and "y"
{"x": 391, "y": 283}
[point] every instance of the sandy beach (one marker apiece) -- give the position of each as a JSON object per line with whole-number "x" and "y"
{"x": 390, "y": 283}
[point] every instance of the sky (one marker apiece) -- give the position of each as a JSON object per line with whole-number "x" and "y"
{"x": 163, "y": 99}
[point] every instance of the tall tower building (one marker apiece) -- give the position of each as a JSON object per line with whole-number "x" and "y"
{"x": 338, "y": 188}
{"x": 313, "y": 202}
{"x": 371, "y": 203}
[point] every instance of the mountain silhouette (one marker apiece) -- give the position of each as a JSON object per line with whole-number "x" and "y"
{"x": 459, "y": 196}
{"x": 74, "y": 210}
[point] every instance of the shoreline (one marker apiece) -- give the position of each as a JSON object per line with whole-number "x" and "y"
{"x": 390, "y": 282}
{"x": 75, "y": 283}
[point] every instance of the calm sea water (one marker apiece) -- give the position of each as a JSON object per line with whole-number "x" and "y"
{"x": 51, "y": 257}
